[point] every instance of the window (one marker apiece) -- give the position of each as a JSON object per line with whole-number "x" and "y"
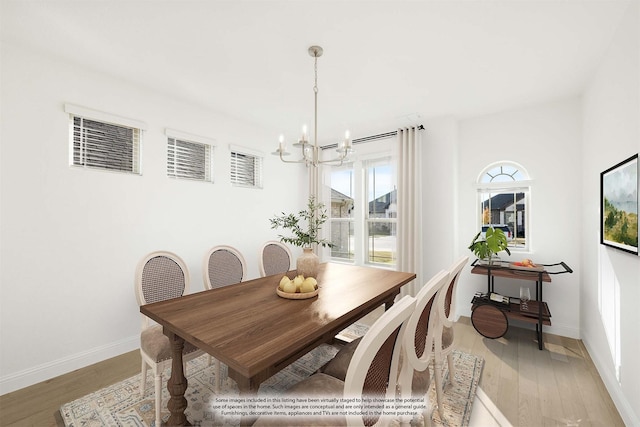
{"x": 246, "y": 168}
{"x": 188, "y": 157}
{"x": 503, "y": 195}
{"x": 381, "y": 212}
{"x": 104, "y": 141}
{"x": 363, "y": 222}
{"x": 342, "y": 214}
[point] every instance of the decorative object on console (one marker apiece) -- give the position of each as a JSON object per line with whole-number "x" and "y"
{"x": 315, "y": 215}
{"x": 619, "y": 206}
{"x": 486, "y": 249}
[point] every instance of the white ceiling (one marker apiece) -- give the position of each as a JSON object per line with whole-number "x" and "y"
{"x": 385, "y": 63}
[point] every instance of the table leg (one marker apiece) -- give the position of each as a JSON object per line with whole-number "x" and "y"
{"x": 248, "y": 388}
{"x": 177, "y": 384}
{"x": 389, "y": 303}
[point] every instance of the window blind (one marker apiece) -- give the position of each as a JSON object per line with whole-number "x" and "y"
{"x": 103, "y": 145}
{"x": 246, "y": 170}
{"x": 188, "y": 160}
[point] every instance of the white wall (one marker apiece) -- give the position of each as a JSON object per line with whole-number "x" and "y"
{"x": 545, "y": 139}
{"x": 71, "y": 238}
{"x": 439, "y": 201}
{"x": 612, "y": 134}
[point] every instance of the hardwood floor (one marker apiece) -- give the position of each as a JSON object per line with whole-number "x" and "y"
{"x": 38, "y": 404}
{"x": 558, "y": 386}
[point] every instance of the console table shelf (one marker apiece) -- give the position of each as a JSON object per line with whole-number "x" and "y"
{"x": 491, "y": 319}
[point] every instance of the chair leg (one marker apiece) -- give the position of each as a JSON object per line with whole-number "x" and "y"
{"x": 426, "y": 414}
{"x": 216, "y": 386}
{"x": 437, "y": 373}
{"x": 452, "y": 369}
{"x": 158, "y": 396}
{"x": 143, "y": 383}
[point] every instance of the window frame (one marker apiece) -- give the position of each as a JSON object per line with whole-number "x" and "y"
{"x": 361, "y": 219}
{"x": 507, "y": 187}
{"x": 82, "y": 113}
{"x": 258, "y": 167}
{"x": 188, "y": 138}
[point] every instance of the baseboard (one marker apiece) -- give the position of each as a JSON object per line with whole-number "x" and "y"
{"x": 626, "y": 411}
{"x": 27, "y": 377}
{"x": 497, "y": 415}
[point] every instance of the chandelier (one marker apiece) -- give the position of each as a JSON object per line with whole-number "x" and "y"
{"x": 311, "y": 152}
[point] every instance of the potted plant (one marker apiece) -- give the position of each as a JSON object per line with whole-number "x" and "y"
{"x": 486, "y": 248}
{"x": 305, "y": 226}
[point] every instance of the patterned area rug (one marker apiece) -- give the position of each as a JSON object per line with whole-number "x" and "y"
{"x": 458, "y": 401}
{"x": 122, "y": 405}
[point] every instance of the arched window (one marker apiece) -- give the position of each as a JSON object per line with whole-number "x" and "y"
{"x": 504, "y": 201}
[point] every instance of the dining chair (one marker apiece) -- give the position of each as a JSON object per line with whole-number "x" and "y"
{"x": 419, "y": 340}
{"x": 415, "y": 380}
{"x": 159, "y": 276}
{"x": 222, "y": 266}
{"x": 274, "y": 258}
{"x": 444, "y": 337}
{"x": 372, "y": 374}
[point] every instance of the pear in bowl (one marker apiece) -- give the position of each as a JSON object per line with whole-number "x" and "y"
{"x": 309, "y": 285}
{"x": 283, "y": 282}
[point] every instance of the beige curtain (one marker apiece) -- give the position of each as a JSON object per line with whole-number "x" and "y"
{"x": 409, "y": 230}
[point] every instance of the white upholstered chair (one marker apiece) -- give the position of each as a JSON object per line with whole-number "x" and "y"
{"x": 372, "y": 373}
{"x": 414, "y": 379}
{"x": 444, "y": 338}
{"x": 222, "y": 266}
{"x": 274, "y": 258}
{"x": 159, "y": 276}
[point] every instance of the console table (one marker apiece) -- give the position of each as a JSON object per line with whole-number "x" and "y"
{"x": 491, "y": 319}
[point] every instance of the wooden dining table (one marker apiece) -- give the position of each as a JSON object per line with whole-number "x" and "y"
{"x": 256, "y": 333}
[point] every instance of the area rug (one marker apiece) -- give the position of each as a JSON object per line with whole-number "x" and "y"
{"x": 122, "y": 405}
{"x": 458, "y": 398}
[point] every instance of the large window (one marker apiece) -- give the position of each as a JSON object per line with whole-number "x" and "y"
{"x": 503, "y": 195}
{"x": 363, "y": 213}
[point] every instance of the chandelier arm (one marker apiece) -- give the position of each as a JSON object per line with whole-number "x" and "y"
{"x": 324, "y": 162}
{"x": 304, "y": 160}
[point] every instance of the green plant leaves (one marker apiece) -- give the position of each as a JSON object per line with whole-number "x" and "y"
{"x": 494, "y": 241}
{"x": 314, "y": 216}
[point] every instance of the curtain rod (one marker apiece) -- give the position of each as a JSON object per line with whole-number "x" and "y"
{"x": 369, "y": 138}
